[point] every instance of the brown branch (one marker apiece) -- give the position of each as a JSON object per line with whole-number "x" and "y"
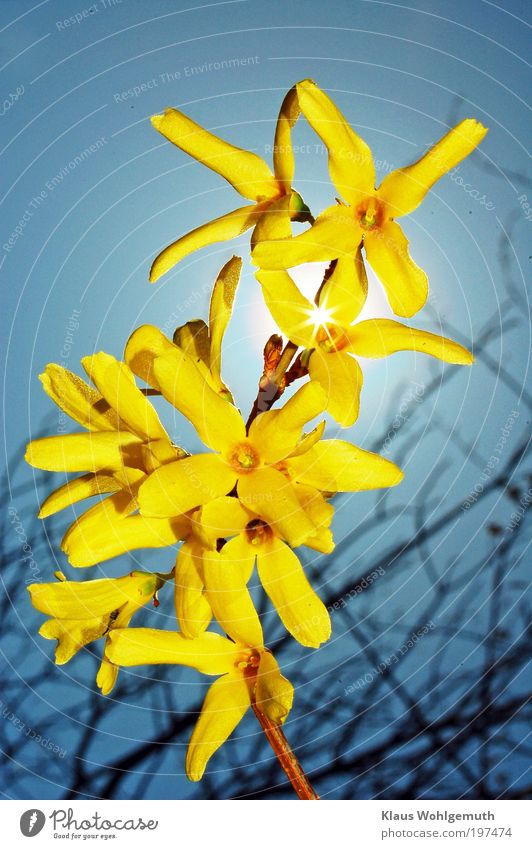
{"x": 286, "y": 757}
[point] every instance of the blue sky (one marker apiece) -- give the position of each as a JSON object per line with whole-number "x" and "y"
{"x": 83, "y": 233}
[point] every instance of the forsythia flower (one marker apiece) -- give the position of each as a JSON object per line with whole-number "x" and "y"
{"x": 244, "y": 170}
{"x": 263, "y": 463}
{"x": 249, "y": 676}
{"x": 369, "y": 216}
{"x": 211, "y": 579}
{"x": 326, "y": 329}
{"x": 125, "y": 442}
{"x": 83, "y": 612}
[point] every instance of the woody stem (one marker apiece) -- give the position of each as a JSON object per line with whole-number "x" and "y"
{"x": 285, "y": 756}
{"x": 270, "y": 390}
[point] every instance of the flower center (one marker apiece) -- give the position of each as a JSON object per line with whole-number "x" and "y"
{"x": 258, "y": 532}
{"x": 330, "y": 338}
{"x": 248, "y": 661}
{"x": 244, "y": 458}
{"x": 370, "y": 213}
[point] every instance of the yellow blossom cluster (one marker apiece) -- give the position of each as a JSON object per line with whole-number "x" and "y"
{"x": 260, "y": 488}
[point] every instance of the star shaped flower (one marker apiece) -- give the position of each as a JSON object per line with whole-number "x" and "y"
{"x": 260, "y": 465}
{"x": 327, "y": 330}
{"x": 247, "y": 675}
{"x": 249, "y": 175}
{"x": 84, "y": 612}
{"x": 215, "y": 565}
{"x": 124, "y": 442}
{"x": 369, "y": 215}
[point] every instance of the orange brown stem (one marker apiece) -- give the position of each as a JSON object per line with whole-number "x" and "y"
{"x": 285, "y": 756}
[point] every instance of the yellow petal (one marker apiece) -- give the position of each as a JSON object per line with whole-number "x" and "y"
{"x": 268, "y": 494}
{"x": 106, "y": 676}
{"x": 229, "y": 598}
{"x": 193, "y": 611}
{"x": 350, "y": 160}
{"x": 291, "y": 311}
{"x": 106, "y": 530}
{"x": 92, "y": 599}
{"x": 72, "y": 635}
{"x": 337, "y": 466}
{"x": 341, "y": 378}
{"x": 116, "y": 383}
{"x": 274, "y": 693}
{"x": 322, "y": 541}
{"x": 79, "y": 400}
{"x": 333, "y": 234}
{"x": 177, "y": 487}
{"x": 221, "y": 517}
{"x": 193, "y": 338}
{"x": 275, "y": 221}
{"x": 209, "y": 653}
{"x": 380, "y": 337}
{"x": 320, "y": 512}
{"x": 344, "y": 293}
{"x": 221, "y": 229}
{"x": 301, "y": 611}
{"x": 313, "y": 502}
{"x": 245, "y": 171}
{"x": 217, "y": 421}
{"x": 405, "y": 283}
{"x": 404, "y": 189}
{"x": 220, "y": 310}
{"x": 283, "y": 154}
{"x": 76, "y": 490}
{"x": 308, "y": 440}
{"x": 275, "y": 433}
{"x": 225, "y": 704}
{"x": 143, "y": 346}
{"x": 79, "y": 452}
{"x": 240, "y": 552}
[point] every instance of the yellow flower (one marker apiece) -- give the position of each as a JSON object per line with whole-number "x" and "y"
{"x": 249, "y": 675}
{"x": 215, "y": 565}
{"x": 259, "y": 463}
{"x": 369, "y": 216}
{"x": 125, "y": 442}
{"x": 83, "y": 612}
{"x": 244, "y": 170}
{"x": 328, "y": 331}
{"x": 204, "y": 342}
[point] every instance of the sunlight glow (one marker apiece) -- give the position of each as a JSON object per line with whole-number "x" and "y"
{"x": 320, "y": 317}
